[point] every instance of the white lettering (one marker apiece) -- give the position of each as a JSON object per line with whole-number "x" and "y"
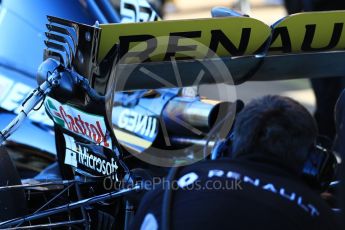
{"x": 270, "y": 187}
{"x": 215, "y": 172}
{"x": 141, "y": 124}
{"x": 153, "y": 128}
{"x": 255, "y": 182}
{"x": 300, "y": 203}
{"x": 291, "y": 197}
{"x": 137, "y": 123}
{"x": 89, "y": 160}
{"x": 147, "y": 133}
{"x": 314, "y": 211}
{"x": 233, "y": 175}
{"x": 187, "y": 179}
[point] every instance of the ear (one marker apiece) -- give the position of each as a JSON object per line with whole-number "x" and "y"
{"x": 301, "y": 155}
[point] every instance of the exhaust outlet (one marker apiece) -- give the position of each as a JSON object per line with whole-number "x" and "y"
{"x": 187, "y": 116}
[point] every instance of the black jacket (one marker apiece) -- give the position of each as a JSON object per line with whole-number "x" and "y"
{"x": 243, "y": 194}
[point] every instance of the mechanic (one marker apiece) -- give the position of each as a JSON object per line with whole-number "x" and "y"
{"x": 260, "y": 188}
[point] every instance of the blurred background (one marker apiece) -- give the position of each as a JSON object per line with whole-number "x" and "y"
{"x": 268, "y": 11}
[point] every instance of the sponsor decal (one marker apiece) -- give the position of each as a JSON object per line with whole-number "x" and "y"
{"x": 137, "y": 11}
{"x": 12, "y": 95}
{"x": 309, "y": 32}
{"x": 137, "y": 123}
{"x": 184, "y": 39}
{"x": 284, "y": 193}
{"x": 78, "y": 154}
{"x": 89, "y": 126}
{"x": 181, "y": 39}
{"x": 134, "y": 128}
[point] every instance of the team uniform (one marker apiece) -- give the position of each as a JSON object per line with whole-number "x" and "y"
{"x": 237, "y": 194}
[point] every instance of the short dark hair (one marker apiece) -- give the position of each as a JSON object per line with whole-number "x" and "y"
{"x": 276, "y": 126}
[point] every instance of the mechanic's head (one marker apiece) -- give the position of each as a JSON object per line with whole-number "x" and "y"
{"x": 277, "y": 127}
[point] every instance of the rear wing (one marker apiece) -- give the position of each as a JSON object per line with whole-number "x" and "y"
{"x": 305, "y": 45}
